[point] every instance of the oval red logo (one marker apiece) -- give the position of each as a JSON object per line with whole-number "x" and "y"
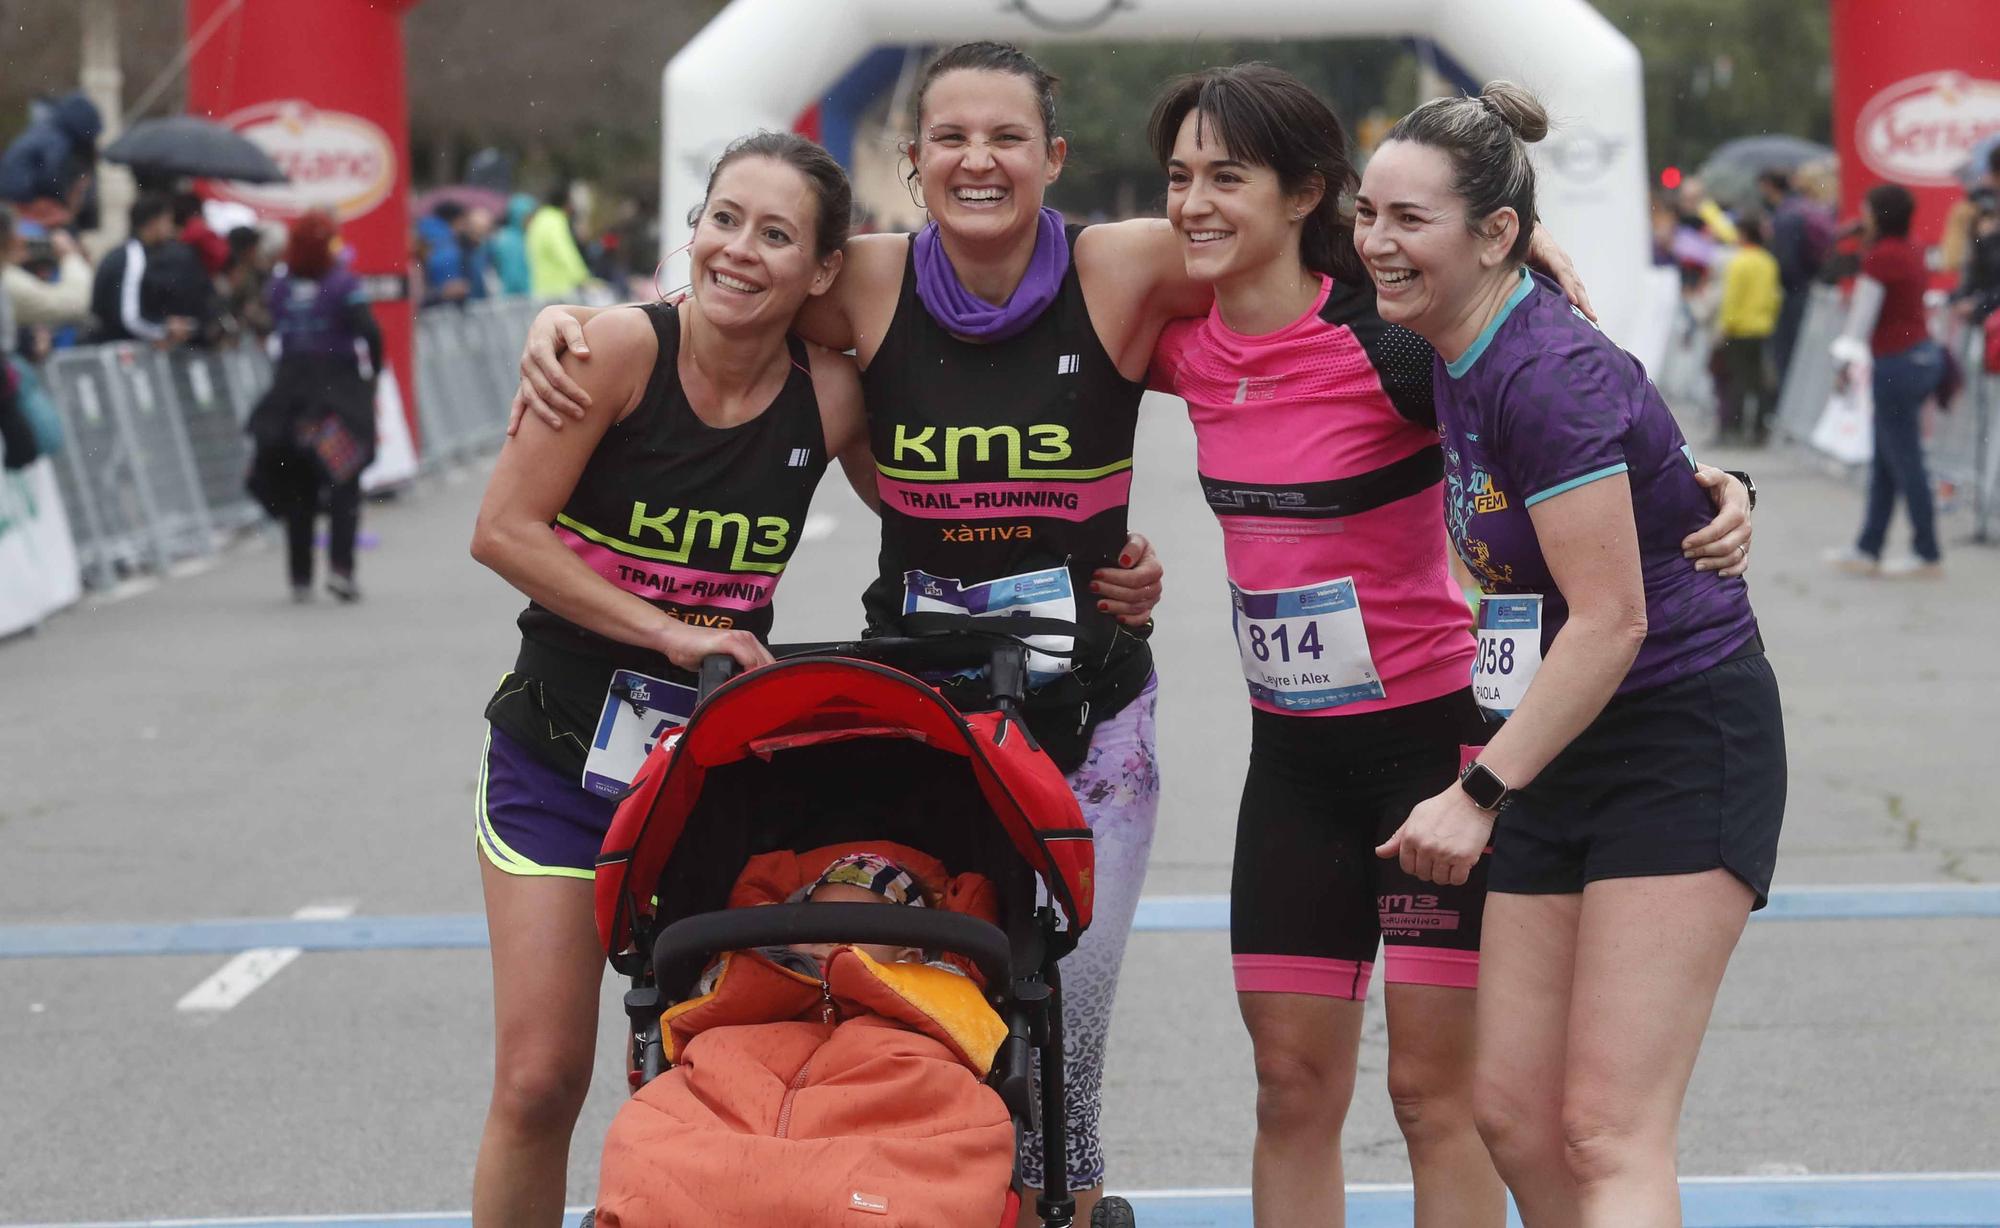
{"x": 1922, "y": 130}
{"x": 335, "y": 160}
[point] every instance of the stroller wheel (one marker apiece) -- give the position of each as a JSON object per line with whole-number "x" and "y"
{"x": 1113, "y": 1212}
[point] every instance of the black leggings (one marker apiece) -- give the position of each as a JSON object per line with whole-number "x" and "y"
{"x": 344, "y": 511}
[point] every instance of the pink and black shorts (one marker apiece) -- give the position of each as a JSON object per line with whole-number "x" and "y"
{"x": 1309, "y": 901}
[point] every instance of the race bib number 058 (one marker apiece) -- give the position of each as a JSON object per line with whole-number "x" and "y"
{"x": 638, "y": 712}
{"x": 1305, "y": 648}
{"x": 1510, "y": 651}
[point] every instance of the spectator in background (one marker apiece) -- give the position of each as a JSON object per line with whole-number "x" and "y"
{"x": 1978, "y": 292}
{"x": 555, "y": 266}
{"x": 209, "y": 247}
{"x": 455, "y": 253}
{"x": 127, "y": 307}
{"x": 1751, "y": 299}
{"x": 475, "y": 244}
{"x": 178, "y": 275}
{"x": 510, "y": 246}
{"x": 44, "y": 279}
{"x": 1956, "y": 243}
{"x": 245, "y": 276}
{"x": 1801, "y": 237}
{"x": 47, "y": 171}
{"x": 315, "y": 428}
{"x": 446, "y": 279}
{"x": 1908, "y": 368}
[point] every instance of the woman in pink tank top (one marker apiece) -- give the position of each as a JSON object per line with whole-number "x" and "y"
{"x": 1318, "y": 451}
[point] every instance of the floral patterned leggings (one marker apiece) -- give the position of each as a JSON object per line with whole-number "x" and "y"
{"x": 1118, "y": 787}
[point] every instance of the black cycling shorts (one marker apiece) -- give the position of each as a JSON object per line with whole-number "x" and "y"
{"x": 1309, "y": 901}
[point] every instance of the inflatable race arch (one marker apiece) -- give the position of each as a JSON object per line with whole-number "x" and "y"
{"x": 761, "y": 62}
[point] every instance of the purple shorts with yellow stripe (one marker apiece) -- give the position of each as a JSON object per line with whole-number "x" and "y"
{"x": 533, "y": 819}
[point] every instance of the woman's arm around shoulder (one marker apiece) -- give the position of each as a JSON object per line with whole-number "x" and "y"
{"x": 856, "y": 310}
{"x": 837, "y": 387}
{"x": 1135, "y": 280}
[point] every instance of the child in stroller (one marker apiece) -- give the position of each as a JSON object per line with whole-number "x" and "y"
{"x": 813, "y": 1081}
{"x": 873, "y": 1092}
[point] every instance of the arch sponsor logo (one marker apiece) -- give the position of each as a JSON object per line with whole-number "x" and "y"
{"x": 1922, "y": 130}
{"x": 334, "y": 160}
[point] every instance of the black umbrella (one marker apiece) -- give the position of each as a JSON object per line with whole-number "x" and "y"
{"x": 198, "y": 148}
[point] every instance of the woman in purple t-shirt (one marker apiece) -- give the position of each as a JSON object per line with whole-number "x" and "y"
{"x": 1639, "y": 781}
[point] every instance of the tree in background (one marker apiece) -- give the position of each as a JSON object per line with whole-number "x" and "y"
{"x": 1720, "y": 69}
{"x": 1108, "y": 88}
{"x": 581, "y": 97}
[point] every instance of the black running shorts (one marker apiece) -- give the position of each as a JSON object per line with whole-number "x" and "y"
{"x": 1674, "y": 779}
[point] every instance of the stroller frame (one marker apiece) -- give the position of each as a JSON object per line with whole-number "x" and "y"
{"x": 663, "y": 951}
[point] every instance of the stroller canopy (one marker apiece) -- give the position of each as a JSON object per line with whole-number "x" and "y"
{"x": 830, "y": 729}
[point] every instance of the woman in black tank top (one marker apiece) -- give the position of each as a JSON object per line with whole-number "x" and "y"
{"x": 646, "y": 537}
{"x": 1004, "y": 465}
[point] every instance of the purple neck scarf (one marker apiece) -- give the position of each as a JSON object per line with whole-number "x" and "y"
{"x": 960, "y": 311}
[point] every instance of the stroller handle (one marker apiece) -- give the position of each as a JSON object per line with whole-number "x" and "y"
{"x": 684, "y": 946}
{"x": 1003, "y": 655}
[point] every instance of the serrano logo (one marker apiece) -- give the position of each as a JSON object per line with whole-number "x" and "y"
{"x": 1920, "y": 131}
{"x": 334, "y": 160}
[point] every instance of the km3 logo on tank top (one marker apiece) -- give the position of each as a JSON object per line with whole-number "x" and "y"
{"x": 699, "y": 520}
{"x": 998, "y": 464}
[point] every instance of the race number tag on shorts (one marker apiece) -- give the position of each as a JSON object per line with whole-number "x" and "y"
{"x": 1304, "y": 649}
{"x": 1036, "y": 594}
{"x": 638, "y": 712}
{"x": 1510, "y": 651}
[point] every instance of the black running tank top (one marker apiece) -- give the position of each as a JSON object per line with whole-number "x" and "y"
{"x": 698, "y": 520}
{"x": 999, "y": 460}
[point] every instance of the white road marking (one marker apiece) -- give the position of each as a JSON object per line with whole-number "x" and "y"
{"x": 247, "y": 972}
{"x": 818, "y": 525}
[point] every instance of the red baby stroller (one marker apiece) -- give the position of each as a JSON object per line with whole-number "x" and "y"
{"x": 842, "y": 745}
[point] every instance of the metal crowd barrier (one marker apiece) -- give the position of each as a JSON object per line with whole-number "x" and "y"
{"x": 154, "y": 457}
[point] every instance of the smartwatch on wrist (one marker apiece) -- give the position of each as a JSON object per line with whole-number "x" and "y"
{"x": 1487, "y": 791}
{"x": 1748, "y": 485}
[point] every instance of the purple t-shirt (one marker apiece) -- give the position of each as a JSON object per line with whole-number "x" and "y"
{"x": 1543, "y": 403}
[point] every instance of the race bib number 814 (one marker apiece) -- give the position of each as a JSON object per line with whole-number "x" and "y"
{"x": 1305, "y": 648}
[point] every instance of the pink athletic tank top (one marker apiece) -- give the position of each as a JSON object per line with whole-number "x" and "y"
{"x": 1318, "y": 452}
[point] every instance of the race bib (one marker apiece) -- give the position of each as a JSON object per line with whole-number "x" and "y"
{"x": 1305, "y": 649}
{"x": 638, "y": 712}
{"x": 1510, "y": 651}
{"x": 1036, "y": 594}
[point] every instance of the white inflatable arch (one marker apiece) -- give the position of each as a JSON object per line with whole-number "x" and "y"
{"x": 761, "y": 62}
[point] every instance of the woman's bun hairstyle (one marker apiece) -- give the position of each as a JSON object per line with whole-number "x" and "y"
{"x": 1487, "y": 140}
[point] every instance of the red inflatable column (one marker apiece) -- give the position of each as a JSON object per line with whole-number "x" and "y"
{"x": 1916, "y": 90}
{"x": 321, "y": 87}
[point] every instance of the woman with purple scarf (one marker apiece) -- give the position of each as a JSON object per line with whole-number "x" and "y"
{"x": 1003, "y": 355}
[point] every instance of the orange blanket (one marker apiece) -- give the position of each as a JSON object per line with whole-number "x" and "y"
{"x": 853, "y": 1103}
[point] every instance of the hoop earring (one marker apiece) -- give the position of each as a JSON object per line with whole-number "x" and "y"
{"x": 659, "y": 268}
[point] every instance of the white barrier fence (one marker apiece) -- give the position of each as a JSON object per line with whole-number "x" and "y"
{"x": 151, "y": 468}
